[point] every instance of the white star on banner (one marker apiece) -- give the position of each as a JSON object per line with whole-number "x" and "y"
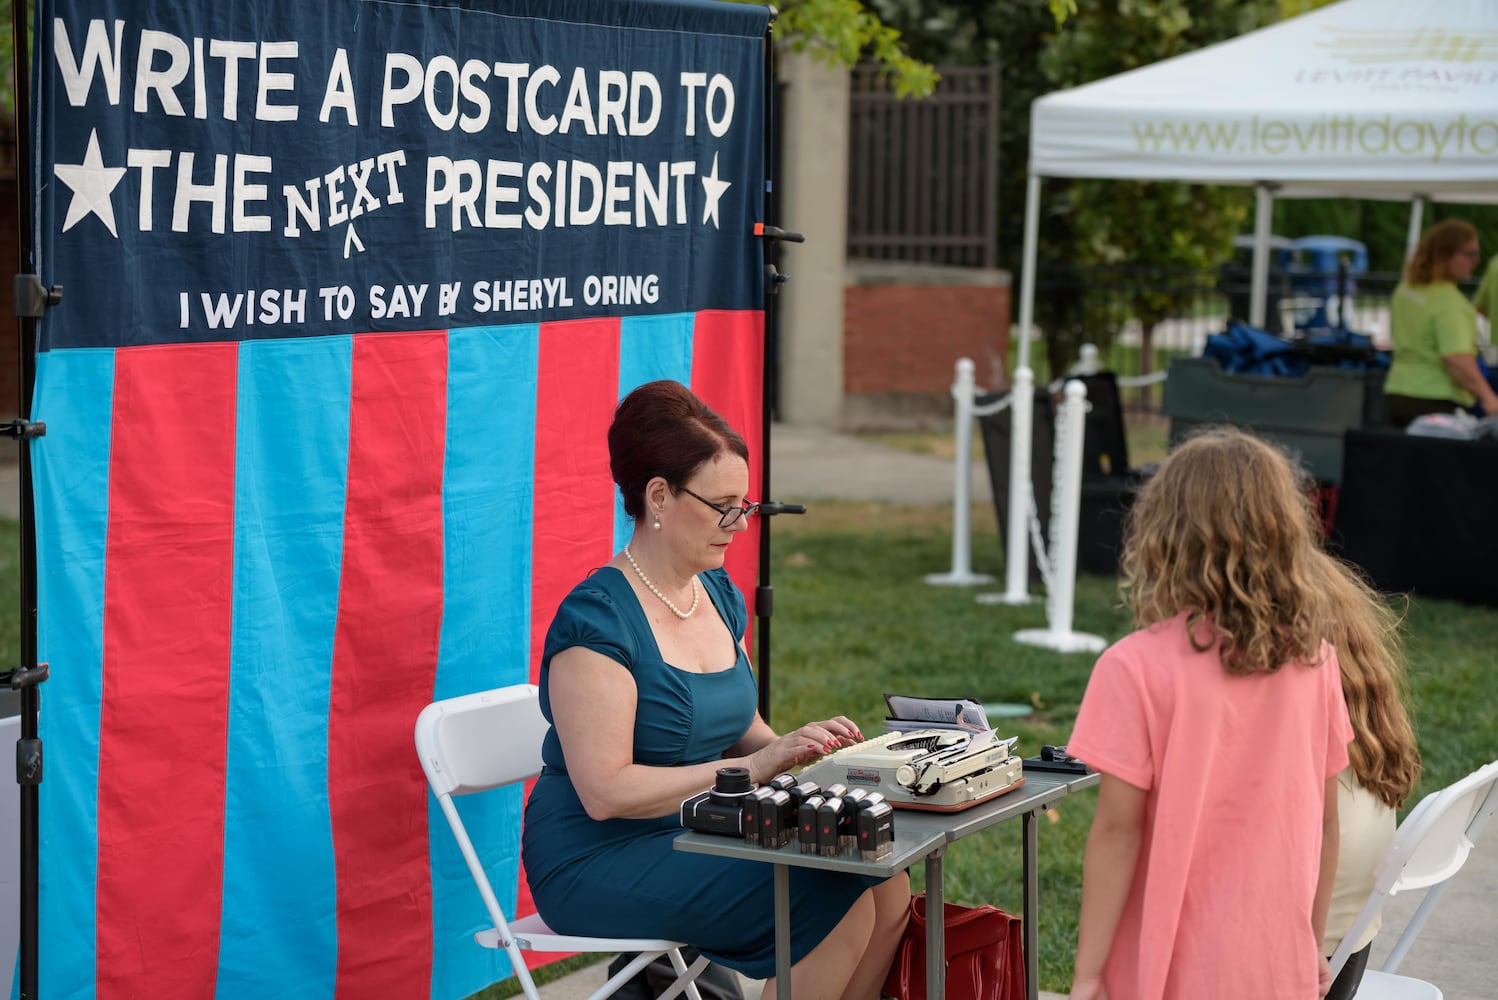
{"x": 92, "y": 182}
{"x": 714, "y": 189}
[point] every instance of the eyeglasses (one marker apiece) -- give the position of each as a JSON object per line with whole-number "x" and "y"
{"x": 731, "y": 514}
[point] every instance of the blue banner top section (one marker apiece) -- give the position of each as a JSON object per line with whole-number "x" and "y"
{"x": 703, "y": 17}
{"x": 211, "y": 172}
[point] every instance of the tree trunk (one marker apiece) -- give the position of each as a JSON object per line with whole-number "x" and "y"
{"x": 1146, "y": 398}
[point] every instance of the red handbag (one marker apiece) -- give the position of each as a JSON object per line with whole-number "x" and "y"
{"x": 984, "y": 950}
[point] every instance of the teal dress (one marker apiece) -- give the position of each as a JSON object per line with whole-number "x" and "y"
{"x": 621, "y": 877}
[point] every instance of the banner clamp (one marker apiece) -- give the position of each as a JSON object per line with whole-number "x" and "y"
{"x": 32, "y": 297}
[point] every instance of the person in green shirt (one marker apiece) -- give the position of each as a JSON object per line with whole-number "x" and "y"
{"x": 1434, "y": 329}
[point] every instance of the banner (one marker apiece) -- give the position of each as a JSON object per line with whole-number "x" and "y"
{"x": 351, "y": 289}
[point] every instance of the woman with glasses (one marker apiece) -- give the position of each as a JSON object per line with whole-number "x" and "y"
{"x": 646, "y": 681}
{"x": 1434, "y": 329}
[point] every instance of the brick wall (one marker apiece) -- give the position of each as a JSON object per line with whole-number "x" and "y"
{"x": 905, "y": 326}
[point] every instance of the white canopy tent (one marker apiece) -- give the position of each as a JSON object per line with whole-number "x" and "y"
{"x": 1391, "y": 99}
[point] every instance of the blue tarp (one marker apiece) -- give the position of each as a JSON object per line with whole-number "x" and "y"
{"x": 1245, "y": 349}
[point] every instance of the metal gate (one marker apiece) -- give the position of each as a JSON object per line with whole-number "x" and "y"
{"x": 923, "y": 175}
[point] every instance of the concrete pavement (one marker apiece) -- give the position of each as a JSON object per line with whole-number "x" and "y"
{"x": 580, "y": 985}
{"x": 808, "y": 463}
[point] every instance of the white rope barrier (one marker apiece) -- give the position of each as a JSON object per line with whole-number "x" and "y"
{"x": 1066, "y": 506}
{"x": 997, "y": 406}
{"x": 1134, "y": 381}
{"x": 964, "y": 389}
{"x": 1123, "y": 381}
{"x": 1058, "y": 560}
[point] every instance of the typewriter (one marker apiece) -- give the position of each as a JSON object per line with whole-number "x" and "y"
{"x": 934, "y": 769}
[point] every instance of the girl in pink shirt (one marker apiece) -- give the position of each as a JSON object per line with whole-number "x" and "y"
{"x": 1219, "y": 729}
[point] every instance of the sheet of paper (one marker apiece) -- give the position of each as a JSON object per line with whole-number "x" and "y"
{"x": 955, "y": 713}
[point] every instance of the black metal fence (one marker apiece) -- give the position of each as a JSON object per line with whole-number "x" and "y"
{"x": 923, "y": 176}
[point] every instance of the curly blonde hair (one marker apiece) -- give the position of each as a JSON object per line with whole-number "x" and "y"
{"x": 1226, "y": 533}
{"x": 1437, "y": 245}
{"x": 1365, "y": 634}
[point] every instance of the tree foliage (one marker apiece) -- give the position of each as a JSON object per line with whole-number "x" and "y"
{"x": 843, "y": 31}
{"x": 1162, "y": 224}
{"x": 1089, "y": 222}
{"x": 8, "y": 61}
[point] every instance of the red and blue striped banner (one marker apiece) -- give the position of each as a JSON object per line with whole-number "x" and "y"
{"x": 264, "y": 547}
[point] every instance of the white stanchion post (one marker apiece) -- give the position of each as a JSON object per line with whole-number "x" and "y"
{"x": 1058, "y": 634}
{"x": 1016, "y": 536}
{"x": 964, "y": 392}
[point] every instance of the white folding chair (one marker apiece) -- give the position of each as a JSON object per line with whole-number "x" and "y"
{"x": 478, "y": 742}
{"x": 1430, "y": 846}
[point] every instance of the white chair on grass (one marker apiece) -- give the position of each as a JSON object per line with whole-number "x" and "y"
{"x": 1430, "y": 846}
{"x": 478, "y": 742}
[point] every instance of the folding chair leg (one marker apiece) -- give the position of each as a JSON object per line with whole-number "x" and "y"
{"x": 625, "y": 974}
{"x": 686, "y": 978}
{"x": 1413, "y": 928}
{"x": 521, "y": 970}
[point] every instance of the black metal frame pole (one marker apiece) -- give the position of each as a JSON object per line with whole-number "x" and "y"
{"x": 31, "y": 299}
{"x": 764, "y": 597}
{"x": 764, "y": 594}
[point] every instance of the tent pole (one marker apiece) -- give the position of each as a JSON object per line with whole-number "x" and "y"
{"x": 1016, "y": 538}
{"x": 1027, "y": 270}
{"x": 1258, "y": 293}
{"x": 1417, "y": 224}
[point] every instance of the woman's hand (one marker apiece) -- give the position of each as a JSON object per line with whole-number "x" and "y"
{"x": 801, "y": 746}
{"x": 1090, "y": 988}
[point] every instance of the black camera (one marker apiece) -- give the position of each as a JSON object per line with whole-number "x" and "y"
{"x": 720, "y": 809}
{"x": 1055, "y": 758}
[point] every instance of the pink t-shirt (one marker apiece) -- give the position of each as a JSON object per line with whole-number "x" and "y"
{"x": 1235, "y": 768}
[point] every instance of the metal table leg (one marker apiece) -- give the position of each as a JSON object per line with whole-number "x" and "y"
{"x": 783, "y": 931}
{"x": 1031, "y": 908}
{"x": 936, "y": 931}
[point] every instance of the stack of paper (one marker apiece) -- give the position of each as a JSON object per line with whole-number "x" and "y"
{"x": 907, "y": 713}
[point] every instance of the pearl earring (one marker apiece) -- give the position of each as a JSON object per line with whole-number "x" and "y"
{"x": 657, "y": 524}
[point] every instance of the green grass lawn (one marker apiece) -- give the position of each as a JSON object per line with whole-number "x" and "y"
{"x": 10, "y": 595}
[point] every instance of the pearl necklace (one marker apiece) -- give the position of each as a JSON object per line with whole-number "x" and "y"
{"x": 683, "y": 615}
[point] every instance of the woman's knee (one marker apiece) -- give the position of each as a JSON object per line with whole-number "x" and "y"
{"x": 892, "y": 903}
{"x": 858, "y": 923}
{"x": 831, "y": 962}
